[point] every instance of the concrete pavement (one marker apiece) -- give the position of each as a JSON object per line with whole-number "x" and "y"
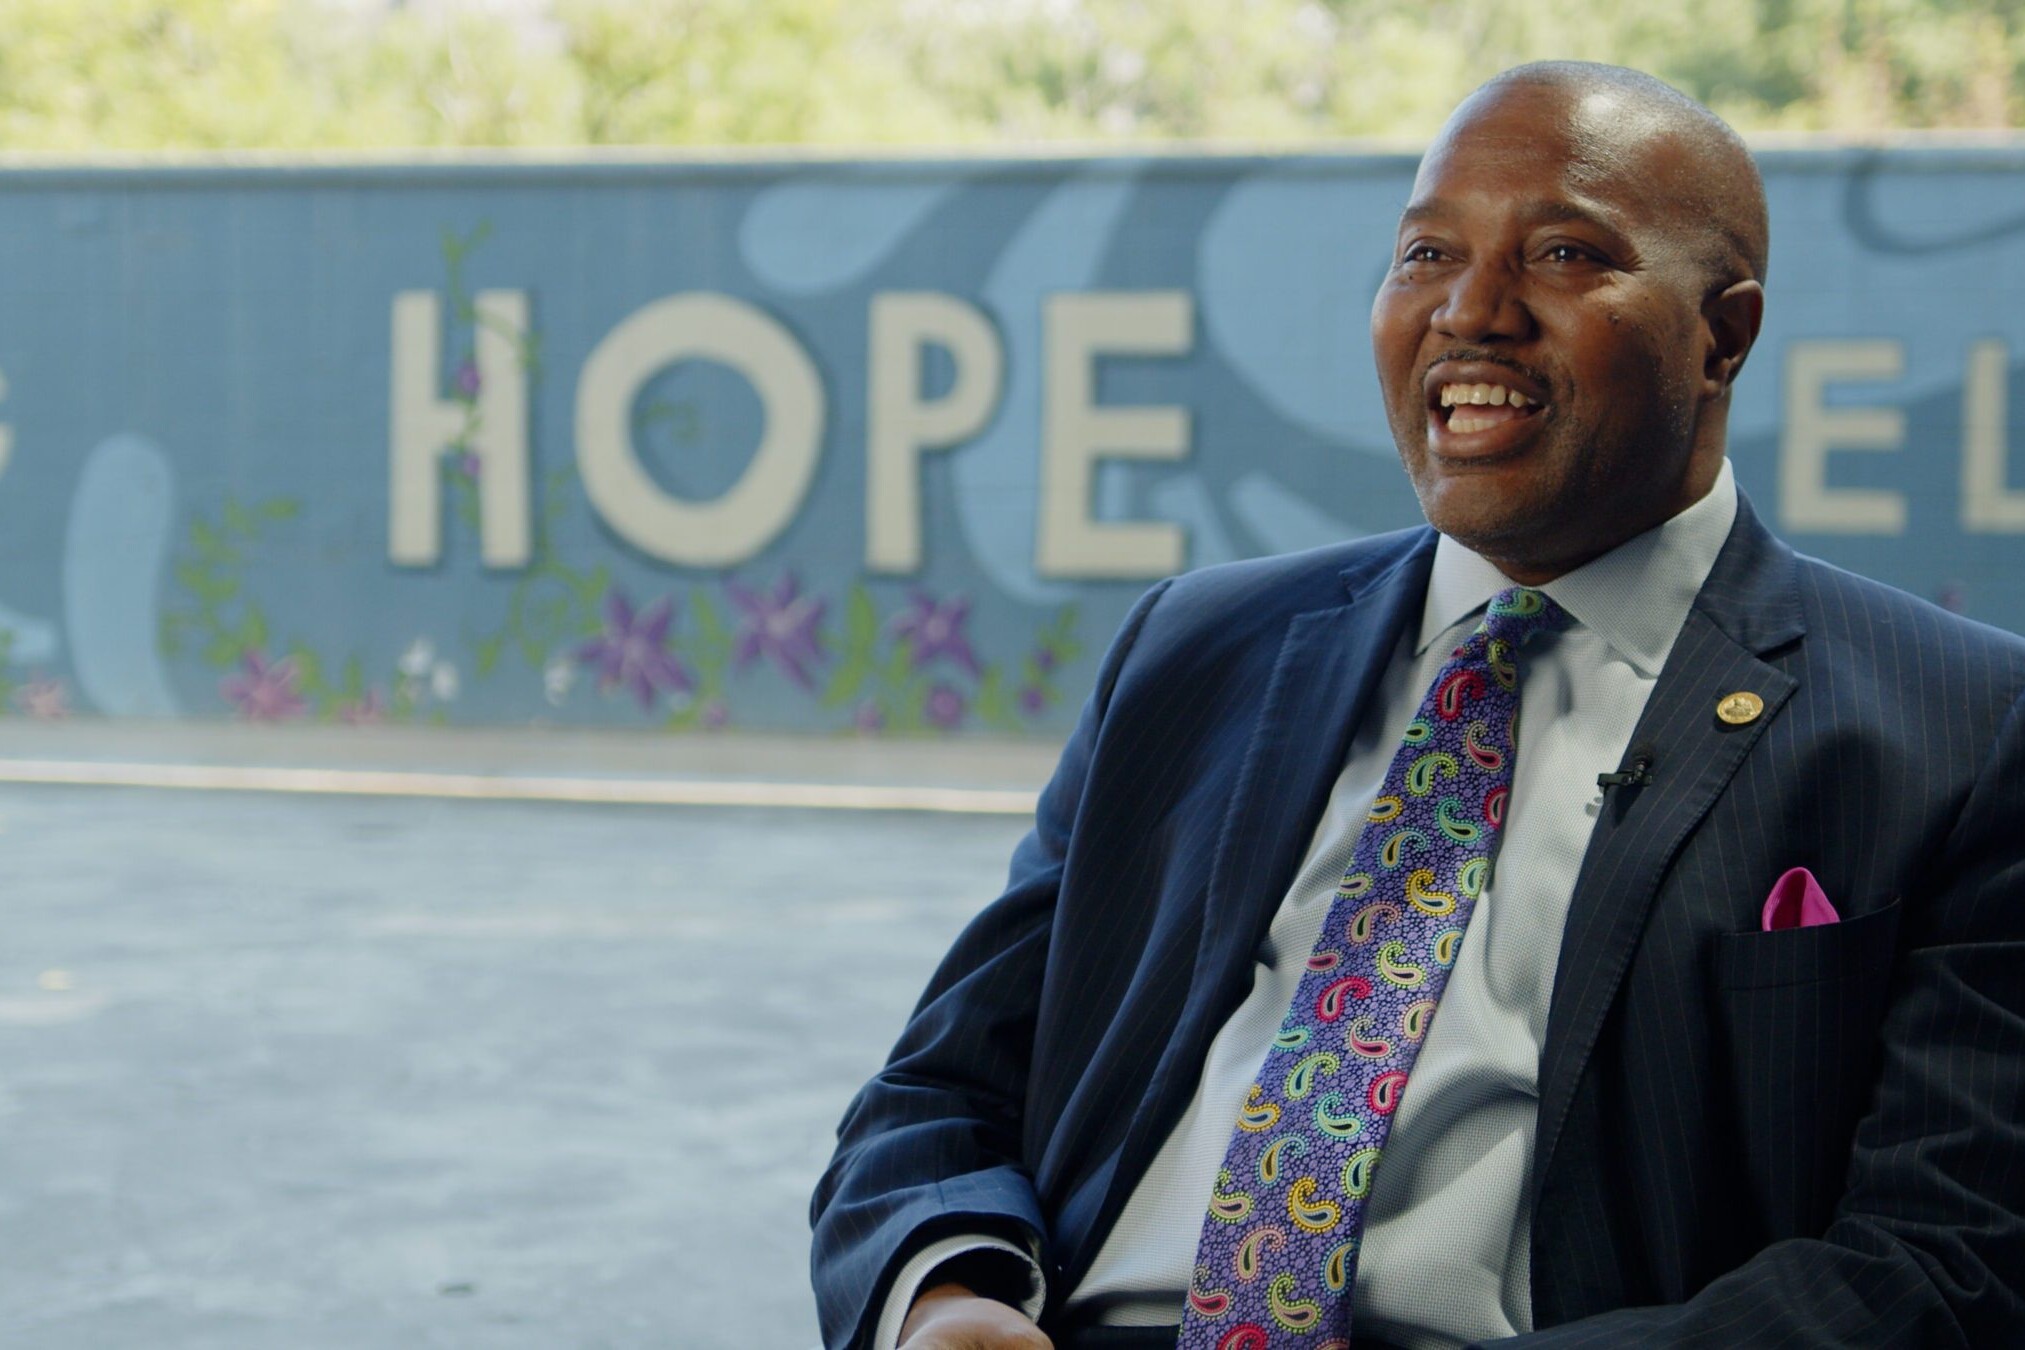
{"x": 341, "y": 1071}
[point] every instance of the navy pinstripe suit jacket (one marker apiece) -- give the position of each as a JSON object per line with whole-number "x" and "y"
{"x": 1812, "y": 1137}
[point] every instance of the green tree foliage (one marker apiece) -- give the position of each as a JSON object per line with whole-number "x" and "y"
{"x": 146, "y": 75}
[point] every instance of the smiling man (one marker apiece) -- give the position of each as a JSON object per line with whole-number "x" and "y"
{"x": 1584, "y": 922}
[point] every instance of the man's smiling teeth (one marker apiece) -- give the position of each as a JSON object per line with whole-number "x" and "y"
{"x": 1495, "y": 395}
{"x": 1499, "y": 404}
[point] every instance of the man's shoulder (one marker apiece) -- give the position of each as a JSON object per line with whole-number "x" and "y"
{"x": 1283, "y": 584}
{"x": 1869, "y": 615}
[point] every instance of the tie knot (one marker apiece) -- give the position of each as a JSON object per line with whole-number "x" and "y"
{"x": 1518, "y": 613}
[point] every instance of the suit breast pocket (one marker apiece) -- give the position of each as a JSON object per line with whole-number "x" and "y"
{"x": 1798, "y": 1012}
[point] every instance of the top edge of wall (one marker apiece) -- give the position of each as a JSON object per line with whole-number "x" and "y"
{"x": 1785, "y": 151}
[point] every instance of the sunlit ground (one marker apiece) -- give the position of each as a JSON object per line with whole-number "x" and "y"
{"x": 338, "y": 1072}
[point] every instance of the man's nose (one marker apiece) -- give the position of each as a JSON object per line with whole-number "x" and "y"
{"x": 1483, "y": 303}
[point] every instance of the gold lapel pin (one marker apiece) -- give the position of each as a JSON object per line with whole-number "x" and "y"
{"x": 1741, "y": 708}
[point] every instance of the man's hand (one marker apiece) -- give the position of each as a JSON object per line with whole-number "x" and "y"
{"x": 951, "y": 1317}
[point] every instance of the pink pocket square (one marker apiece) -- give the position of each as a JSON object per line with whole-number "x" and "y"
{"x": 1797, "y": 901}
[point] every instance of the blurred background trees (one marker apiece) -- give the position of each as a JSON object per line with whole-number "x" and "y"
{"x": 143, "y": 75}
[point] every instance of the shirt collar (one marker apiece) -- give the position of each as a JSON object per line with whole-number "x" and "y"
{"x": 1636, "y": 597}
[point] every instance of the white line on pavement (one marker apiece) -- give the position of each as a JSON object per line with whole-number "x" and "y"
{"x": 521, "y": 788}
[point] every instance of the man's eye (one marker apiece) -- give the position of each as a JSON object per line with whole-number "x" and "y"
{"x": 1569, "y": 253}
{"x": 1421, "y": 253}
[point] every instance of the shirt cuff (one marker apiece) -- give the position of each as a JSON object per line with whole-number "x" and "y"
{"x": 907, "y": 1284}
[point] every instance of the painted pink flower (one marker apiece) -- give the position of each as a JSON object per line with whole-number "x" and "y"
{"x": 365, "y": 711}
{"x": 1033, "y": 700}
{"x": 944, "y": 707}
{"x": 46, "y": 700}
{"x": 469, "y": 464}
{"x": 633, "y": 650}
{"x": 715, "y": 714}
{"x": 466, "y": 380}
{"x": 263, "y": 690}
{"x": 781, "y": 626}
{"x": 934, "y": 628}
{"x": 870, "y": 718}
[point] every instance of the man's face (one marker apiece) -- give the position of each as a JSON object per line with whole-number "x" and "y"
{"x": 1539, "y": 336}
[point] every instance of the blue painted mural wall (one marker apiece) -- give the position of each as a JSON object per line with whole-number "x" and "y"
{"x": 877, "y": 448}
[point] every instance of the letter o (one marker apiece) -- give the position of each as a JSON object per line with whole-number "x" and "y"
{"x": 752, "y": 513}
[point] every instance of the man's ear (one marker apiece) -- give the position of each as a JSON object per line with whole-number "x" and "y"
{"x": 1733, "y": 316}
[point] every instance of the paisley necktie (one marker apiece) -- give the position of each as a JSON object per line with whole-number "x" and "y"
{"x": 1278, "y": 1253}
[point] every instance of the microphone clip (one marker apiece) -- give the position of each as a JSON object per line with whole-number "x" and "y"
{"x": 1639, "y": 774}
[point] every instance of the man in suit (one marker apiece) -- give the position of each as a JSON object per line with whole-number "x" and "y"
{"x": 1652, "y": 1109}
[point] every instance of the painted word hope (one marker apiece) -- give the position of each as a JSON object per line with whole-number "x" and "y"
{"x": 903, "y": 423}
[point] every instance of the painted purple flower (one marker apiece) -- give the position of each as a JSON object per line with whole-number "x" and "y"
{"x": 870, "y": 718}
{"x": 369, "y": 709}
{"x": 469, "y": 463}
{"x": 263, "y": 690}
{"x": 1045, "y": 658}
{"x": 944, "y": 707}
{"x": 715, "y": 714}
{"x": 466, "y": 380}
{"x": 781, "y": 627}
{"x": 931, "y": 630}
{"x": 45, "y": 700}
{"x": 1033, "y": 700}
{"x": 633, "y": 650}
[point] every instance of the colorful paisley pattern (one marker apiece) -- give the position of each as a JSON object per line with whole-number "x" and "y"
{"x": 1385, "y": 1091}
{"x": 1413, "y": 1023}
{"x": 1361, "y": 1043}
{"x": 1394, "y": 852}
{"x": 1420, "y": 778}
{"x": 1258, "y": 1116}
{"x": 1311, "y": 1130}
{"x": 1298, "y": 1315}
{"x": 1454, "y": 693}
{"x": 1251, "y": 1250}
{"x": 1494, "y": 806}
{"x": 1333, "y": 1120}
{"x": 1329, "y": 1003}
{"x": 1503, "y": 669}
{"x": 1420, "y": 893}
{"x": 1448, "y": 815}
{"x": 1357, "y": 1173}
{"x": 1208, "y": 1303}
{"x": 1301, "y": 1078}
{"x": 1364, "y": 923}
{"x": 1477, "y": 745}
{"x": 1310, "y": 1214}
{"x": 1227, "y": 1205}
{"x": 1336, "y": 1270}
{"x": 1396, "y": 970}
{"x": 1288, "y": 1145}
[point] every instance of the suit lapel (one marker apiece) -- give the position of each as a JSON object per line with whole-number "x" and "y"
{"x": 1748, "y": 606}
{"x": 1328, "y": 665}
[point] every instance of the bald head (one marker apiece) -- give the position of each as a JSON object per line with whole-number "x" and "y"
{"x": 1628, "y": 122}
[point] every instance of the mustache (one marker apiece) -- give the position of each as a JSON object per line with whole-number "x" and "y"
{"x": 1486, "y": 357}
